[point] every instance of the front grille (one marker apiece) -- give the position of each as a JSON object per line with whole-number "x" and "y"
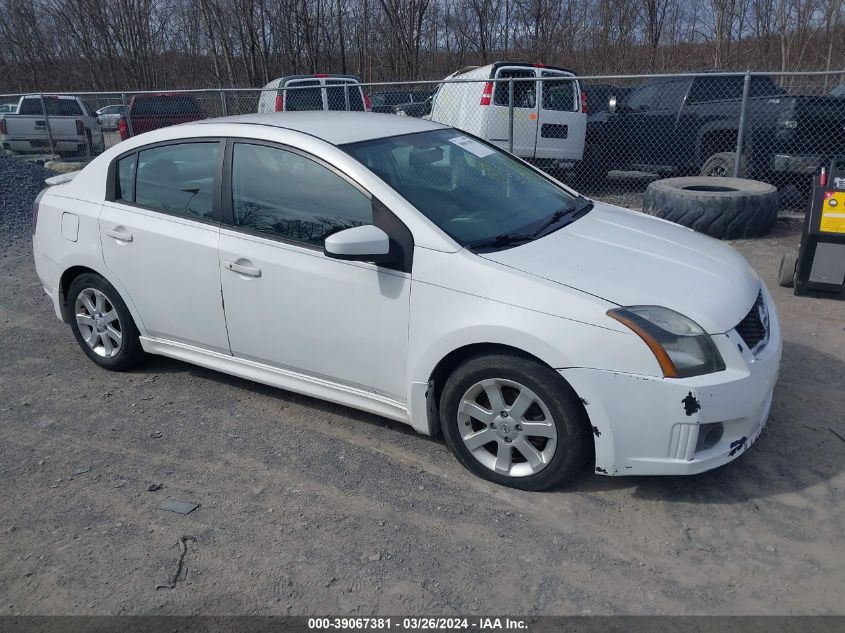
{"x": 754, "y": 328}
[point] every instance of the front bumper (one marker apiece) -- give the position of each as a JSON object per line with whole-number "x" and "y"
{"x": 646, "y": 425}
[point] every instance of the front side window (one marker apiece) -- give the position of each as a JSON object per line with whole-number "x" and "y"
{"x": 643, "y": 98}
{"x": 290, "y": 196}
{"x": 469, "y": 189}
{"x": 524, "y": 92}
{"x": 672, "y": 95}
{"x": 178, "y": 178}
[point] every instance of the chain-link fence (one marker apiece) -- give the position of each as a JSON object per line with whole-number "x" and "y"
{"x": 606, "y": 136}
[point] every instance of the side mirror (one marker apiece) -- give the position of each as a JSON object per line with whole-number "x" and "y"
{"x": 611, "y": 105}
{"x": 366, "y": 243}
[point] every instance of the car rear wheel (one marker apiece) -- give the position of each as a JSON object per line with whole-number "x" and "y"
{"x": 513, "y": 421}
{"x": 102, "y": 324}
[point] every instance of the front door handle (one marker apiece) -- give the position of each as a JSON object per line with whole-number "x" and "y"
{"x": 249, "y": 271}
{"x": 123, "y": 236}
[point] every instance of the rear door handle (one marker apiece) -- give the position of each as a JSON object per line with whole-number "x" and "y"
{"x": 123, "y": 236}
{"x": 249, "y": 271}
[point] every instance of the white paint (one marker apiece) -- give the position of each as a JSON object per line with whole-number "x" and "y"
{"x": 368, "y": 337}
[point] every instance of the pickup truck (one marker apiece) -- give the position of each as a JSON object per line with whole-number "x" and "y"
{"x": 150, "y": 111}
{"x": 74, "y": 130}
{"x": 690, "y": 126}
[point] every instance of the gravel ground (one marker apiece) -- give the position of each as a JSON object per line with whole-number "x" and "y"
{"x": 307, "y": 507}
{"x": 20, "y": 182}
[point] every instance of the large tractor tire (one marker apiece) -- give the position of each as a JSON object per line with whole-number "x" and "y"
{"x": 724, "y": 208}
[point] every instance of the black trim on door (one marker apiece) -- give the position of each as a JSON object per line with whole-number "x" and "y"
{"x": 400, "y": 235}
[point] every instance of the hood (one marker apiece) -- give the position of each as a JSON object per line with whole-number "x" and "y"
{"x": 629, "y": 258}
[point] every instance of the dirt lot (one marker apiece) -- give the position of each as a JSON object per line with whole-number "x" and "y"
{"x": 307, "y": 507}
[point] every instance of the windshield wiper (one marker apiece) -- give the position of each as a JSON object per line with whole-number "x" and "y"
{"x": 505, "y": 239}
{"x": 581, "y": 207}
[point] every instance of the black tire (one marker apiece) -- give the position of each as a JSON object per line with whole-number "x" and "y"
{"x": 724, "y": 208}
{"x": 571, "y": 446}
{"x": 130, "y": 353}
{"x": 591, "y": 171}
{"x": 786, "y": 272}
{"x": 722, "y": 165}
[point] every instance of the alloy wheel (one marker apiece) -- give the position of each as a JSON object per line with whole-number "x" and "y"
{"x": 98, "y": 323}
{"x": 507, "y": 427}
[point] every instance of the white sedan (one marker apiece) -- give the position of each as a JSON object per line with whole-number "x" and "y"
{"x": 407, "y": 269}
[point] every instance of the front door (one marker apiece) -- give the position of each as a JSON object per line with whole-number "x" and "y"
{"x": 159, "y": 236}
{"x": 288, "y": 304}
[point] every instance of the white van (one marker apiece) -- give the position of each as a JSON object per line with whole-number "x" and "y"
{"x": 313, "y": 92}
{"x": 550, "y": 116}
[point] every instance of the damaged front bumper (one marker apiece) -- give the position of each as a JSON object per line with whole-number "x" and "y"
{"x": 646, "y": 425}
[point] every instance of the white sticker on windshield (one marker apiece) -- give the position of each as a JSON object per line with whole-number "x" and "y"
{"x": 472, "y": 146}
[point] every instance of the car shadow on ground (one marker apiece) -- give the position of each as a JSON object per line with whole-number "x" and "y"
{"x": 796, "y": 450}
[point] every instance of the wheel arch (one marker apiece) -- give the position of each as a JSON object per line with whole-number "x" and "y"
{"x": 713, "y": 139}
{"x": 72, "y": 272}
{"x": 448, "y": 363}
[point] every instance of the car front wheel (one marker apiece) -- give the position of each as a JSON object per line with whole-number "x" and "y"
{"x": 102, "y": 324}
{"x": 514, "y": 421}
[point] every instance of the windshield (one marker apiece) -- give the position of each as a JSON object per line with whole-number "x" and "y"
{"x": 472, "y": 191}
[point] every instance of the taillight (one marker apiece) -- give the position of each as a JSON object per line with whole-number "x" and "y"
{"x": 368, "y": 105}
{"x": 583, "y": 102}
{"x": 35, "y": 211}
{"x": 3, "y": 128}
{"x": 123, "y": 128}
{"x": 280, "y": 102}
{"x": 80, "y": 128}
{"x": 487, "y": 95}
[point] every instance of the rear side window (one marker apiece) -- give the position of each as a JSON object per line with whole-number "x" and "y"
{"x": 337, "y": 92}
{"x": 524, "y": 92}
{"x": 716, "y": 89}
{"x": 300, "y": 97}
{"x": 559, "y": 94}
{"x": 178, "y": 178}
{"x": 290, "y": 196}
{"x": 125, "y": 189}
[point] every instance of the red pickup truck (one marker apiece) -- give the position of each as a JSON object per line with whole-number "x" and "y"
{"x": 148, "y": 112}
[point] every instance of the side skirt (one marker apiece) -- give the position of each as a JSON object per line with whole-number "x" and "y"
{"x": 282, "y": 378}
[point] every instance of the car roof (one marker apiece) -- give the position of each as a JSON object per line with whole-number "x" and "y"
{"x": 334, "y": 127}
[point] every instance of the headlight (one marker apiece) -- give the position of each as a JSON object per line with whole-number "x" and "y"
{"x": 681, "y": 347}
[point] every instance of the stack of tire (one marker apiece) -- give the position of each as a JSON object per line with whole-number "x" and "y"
{"x": 724, "y": 208}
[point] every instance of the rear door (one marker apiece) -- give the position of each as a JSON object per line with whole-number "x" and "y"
{"x": 561, "y": 124}
{"x": 159, "y": 232}
{"x": 524, "y": 111}
{"x": 303, "y": 94}
{"x": 344, "y": 94}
